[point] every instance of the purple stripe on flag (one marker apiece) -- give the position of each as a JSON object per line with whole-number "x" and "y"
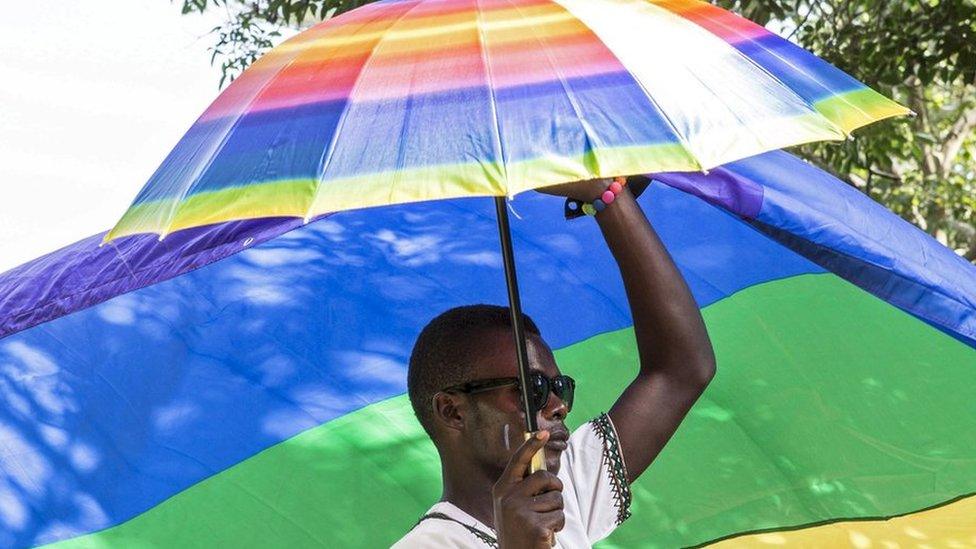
{"x": 720, "y": 187}
{"x": 84, "y": 274}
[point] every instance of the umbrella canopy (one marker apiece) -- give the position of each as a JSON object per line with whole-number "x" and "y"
{"x": 247, "y": 402}
{"x": 410, "y": 100}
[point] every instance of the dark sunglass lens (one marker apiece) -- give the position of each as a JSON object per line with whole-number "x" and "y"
{"x": 540, "y": 391}
{"x": 563, "y": 387}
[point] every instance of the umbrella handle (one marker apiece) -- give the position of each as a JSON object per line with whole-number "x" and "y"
{"x": 539, "y": 459}
{"x": 539, "y": 464}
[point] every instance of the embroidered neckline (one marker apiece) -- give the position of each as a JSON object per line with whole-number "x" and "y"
{"x": 618, "y": 472}
{"x": 485, "y": 537}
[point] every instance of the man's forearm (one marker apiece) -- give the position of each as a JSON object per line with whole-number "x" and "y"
{"x": 668, "y": 326}
{"x": 676, "y": 357}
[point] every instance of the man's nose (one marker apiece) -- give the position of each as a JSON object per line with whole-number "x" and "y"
{"x": 555, "y": 409}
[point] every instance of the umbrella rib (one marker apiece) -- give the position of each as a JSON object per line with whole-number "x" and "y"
{"x": 500, "y": 148}
{"x": 789, "y": 89}
{"x": 329, "y": 153}
{"x": 742, "y": 123}
{"x": 793, "y": 66}
{"x": 682, "y": 140}
{"x": 591, "y": 136}
{"x": 220, "y": 147}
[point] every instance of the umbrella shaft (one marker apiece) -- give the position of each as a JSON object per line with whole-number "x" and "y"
{"x": 515, "y": 308}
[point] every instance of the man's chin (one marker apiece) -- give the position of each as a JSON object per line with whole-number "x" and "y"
{"x": 552, "y": 458}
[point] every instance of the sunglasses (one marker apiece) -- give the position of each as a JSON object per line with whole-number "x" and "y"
{"x": 540, "y": 386}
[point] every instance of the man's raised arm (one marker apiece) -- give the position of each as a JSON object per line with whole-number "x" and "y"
{"x": 676, "y": 357}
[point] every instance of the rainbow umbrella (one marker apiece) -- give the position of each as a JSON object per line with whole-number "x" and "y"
{"x": 157, "y": 397}
{"x": 412, "y": 100}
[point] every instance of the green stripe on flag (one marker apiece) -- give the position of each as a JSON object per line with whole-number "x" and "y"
{"x": 829, "y": 403}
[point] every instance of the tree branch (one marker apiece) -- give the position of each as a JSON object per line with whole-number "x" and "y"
{"x": 879, "y": 173}
{"x": 803, "y": 22}
{"x": 955, "y": 137}
{"x": 916, "y": 99}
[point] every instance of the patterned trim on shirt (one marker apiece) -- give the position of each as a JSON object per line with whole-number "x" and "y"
{"x": 488, "y": 539}
{"x": 618, "y": 472}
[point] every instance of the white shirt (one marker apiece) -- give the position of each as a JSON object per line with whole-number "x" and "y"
{"x": 596, "y": 498}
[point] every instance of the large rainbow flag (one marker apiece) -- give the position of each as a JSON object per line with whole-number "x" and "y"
{"x": 157, "y": 397}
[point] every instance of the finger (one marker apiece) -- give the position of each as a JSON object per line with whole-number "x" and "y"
{"x": 549, "y": 501}
{"x": 554, "y": 521}
{"x": 518, "y": 464}
{"x": 539, "y": 482}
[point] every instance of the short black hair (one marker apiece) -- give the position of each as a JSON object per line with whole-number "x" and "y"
{"x": 445, "y": 351}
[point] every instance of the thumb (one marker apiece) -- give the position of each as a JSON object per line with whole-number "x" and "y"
{"x": 518, "y": 464}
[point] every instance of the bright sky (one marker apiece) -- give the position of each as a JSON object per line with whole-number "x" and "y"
{"x": 93, "y": 95}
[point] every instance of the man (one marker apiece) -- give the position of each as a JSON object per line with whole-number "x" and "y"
{"x": 461, "y": 387}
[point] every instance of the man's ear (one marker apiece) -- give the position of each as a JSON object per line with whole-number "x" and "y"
{"x": 450, "y": 410}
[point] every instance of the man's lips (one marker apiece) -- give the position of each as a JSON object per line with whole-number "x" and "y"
{"x": 558, "y": 441}
{"x": 557, "y": 445}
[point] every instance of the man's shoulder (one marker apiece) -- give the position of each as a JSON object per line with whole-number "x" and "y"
{"x": 444, "y": 526}
{"x": 426, "y": 535}
{"x": 588, "y": 445}
{"x": 595, "y": 476}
